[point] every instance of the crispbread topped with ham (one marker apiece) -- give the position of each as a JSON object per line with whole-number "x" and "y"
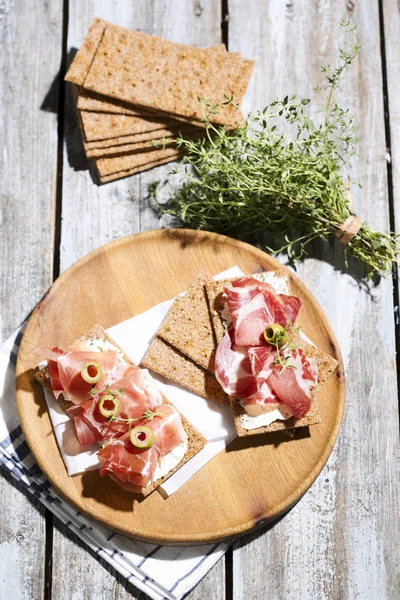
{"x": 271, "y": 385}
{"x": 142, "y": 437}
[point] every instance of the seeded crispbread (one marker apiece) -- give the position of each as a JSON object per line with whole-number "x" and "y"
{"x": 124, "y": 140}
{"x": 89, "y": 100}
{"x": 195, "y": 440}
{"x": 102, "y": 126}
{"x": 140, "y": 169}
{"x": 83, "y": 59}
{"x": 326, "y": 366}
{"x": 154, "y": 73}
{"x": 169, "y": 362}
{"x": 187, "y": 325}
{"x": 149, "y": 145}
{"x": 116, "y": 164}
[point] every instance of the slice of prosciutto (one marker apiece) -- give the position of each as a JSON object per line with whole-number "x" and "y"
{"x": 293, "y": 385}
{"x": 253, "y": 376}
{"x": 51, "y": 355}
{"x": 90, "y": 425}
{"x": 69, "y": 368}
{"x": 136, "y": 392}
{"x": 242, "y": 375}
{"x": 128, "y": 465}
{"x": 253, "y": 305}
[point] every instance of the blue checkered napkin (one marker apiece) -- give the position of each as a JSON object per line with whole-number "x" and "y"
{"x": 159, "y": 571}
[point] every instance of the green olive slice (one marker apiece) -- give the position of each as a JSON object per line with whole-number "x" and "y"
{"x": 92, "y": 372}
{"x": 275, "y": 335}
{"x": 142, "y": 437}
{"x": 109, "y": 406}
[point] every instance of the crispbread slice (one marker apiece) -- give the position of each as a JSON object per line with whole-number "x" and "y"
{"x": 187, "y": 325}
{"x": 195, "y": 443}
{"x": 159, "y": 134}
{"x": 88, "y": 100}
{"x": 214, "y": 291}
{"x": 196, "y": 440}
{"x": 126, "y": 162}
{"x": 83, "y": 59}
{"x": 102, "y": 126}
{"x": 326, "y": 366}
{"x": 127, "y": 62}
{"x": 149, "y": 145}
{"x": 139, "y": 169}
{"x": 167, "y": 361}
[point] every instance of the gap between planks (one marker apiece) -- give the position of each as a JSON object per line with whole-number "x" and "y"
{"x": 392, "y": 221}
{"x": 48, "y": 568}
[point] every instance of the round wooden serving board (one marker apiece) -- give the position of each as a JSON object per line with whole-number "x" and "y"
{"x": 256, "y": 478}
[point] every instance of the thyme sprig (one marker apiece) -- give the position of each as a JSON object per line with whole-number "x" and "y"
{"x": 258, "y": 178}
{"x": 284, "y": 352}
{"x": 94, "y": 391}
{"x": 148, "y": 414}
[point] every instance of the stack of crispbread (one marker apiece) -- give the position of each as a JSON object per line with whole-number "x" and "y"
{"x": 136, "y": 93}
{"x": 184, "y": 351}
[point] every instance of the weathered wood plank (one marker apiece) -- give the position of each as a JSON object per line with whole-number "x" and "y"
{"x": 339, "y": 540}
{"x": 391, "y": 18}
{"x": 30, "y": 35}
{"x": 95, "y": 215}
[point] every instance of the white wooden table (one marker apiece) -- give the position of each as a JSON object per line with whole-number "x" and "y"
{"x": 341, "y": 541}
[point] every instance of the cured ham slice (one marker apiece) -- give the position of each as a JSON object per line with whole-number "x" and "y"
{"x": 253, "y": 305}
{"x": 137, "y": 467}
{"x": 51, "y": 355}
{"x": 253, "y": 376}
{"x": 136, "y": 392}
{"x": 168, "y": 429}
{"x": 69, "y": 369}
{"x": 90, "y": 425}
{"x": 127, "y": 464}
{"x": 239, "y": 378}
{"x": 294, "y": 384}
{"x": 233, "y": 368}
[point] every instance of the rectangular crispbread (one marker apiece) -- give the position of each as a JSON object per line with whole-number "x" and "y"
{"x": 326, "y": 366}
{"x": 139, "y": 169}
{"x": 195, "y": 440}
{"x": 103, "y": 126}
{"x": 153, "y": 73}
{"x": 187, "y": 325}
{"x": 83, "y": 59}
{"x": 88, "y": 100}
{"x": 123, "y": 140}
{"x": 149, "y": 145}
{"x": 169, "y": 362}
{"x": 127, "y": 162}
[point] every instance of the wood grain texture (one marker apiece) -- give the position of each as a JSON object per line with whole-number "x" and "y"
{"x": 391, "y": 20}
{"x": 125, "y": 278}
{"x": 30, "y": 54}
{"x": 339, "y": 540}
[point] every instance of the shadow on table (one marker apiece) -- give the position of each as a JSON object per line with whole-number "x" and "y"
{"x": 68, "y": 124}
{"x": 331, "y": 252}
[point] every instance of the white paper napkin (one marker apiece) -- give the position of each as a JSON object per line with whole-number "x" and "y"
{"x": 214, "y": 421}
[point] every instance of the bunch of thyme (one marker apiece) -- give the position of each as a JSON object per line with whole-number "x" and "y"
{"x": 257, "y": 178}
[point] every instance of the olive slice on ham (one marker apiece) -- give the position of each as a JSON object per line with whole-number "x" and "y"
{"x": 109, "y": 406}
{"x": 91, "y": 372}
{"x": 142, "y": 437}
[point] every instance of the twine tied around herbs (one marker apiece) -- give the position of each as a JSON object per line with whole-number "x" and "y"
{"x": 352, "y": 225}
